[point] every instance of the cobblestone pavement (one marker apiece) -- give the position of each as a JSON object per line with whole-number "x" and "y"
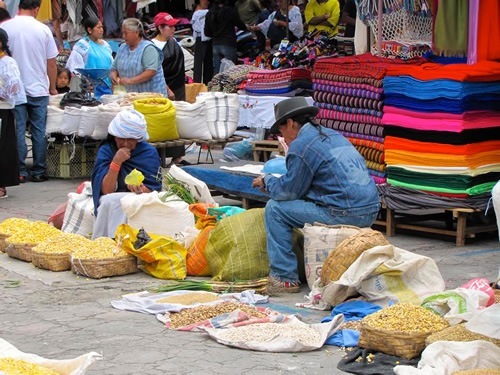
{"x": 60, "y": 315}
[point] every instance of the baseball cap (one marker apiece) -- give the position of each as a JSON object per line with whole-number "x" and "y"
{"x": 164, "y": 18}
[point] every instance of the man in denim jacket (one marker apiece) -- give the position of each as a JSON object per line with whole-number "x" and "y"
{"x": 326, "y": 181}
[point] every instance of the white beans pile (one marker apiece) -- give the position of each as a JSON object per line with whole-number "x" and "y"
{"x": 262, "y": 332}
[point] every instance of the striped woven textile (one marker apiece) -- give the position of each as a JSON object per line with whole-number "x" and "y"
{"x": 371, "y": 154}
{"x": 329, "y": 86}
{"x": 373, "y": 172}
{"x": 376, "y": 166}
{"x": 365, "y": 65}
{"x": 345, "y": 79}
{"x": 400, "y": 198}
{"x": 362, "y": 136}
{"x": 289, "y": 74}
{"x": 348, "y": 101}
{"x": 341, "y": 108}
{"x": 366, "y": 143}
{"x": 354, "y": 127}
{"x": 350, "y": 91}
{"x": 349, "y": 117}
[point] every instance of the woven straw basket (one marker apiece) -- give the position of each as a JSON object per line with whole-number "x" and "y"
{"x": 21, "y": 251}
{"x": 346, "y": 253}
{"x": 50, "y": 261}
{"x": 3, "y": 244}
{"x": 99, "y": 268}
{"x": 402, "y": 344}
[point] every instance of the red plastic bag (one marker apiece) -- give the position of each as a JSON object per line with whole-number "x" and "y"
{"x": 57, "y": 217}
{"x": 483, "y": 285}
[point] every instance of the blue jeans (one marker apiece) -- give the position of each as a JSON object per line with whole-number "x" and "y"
{"x": 220, "y": 51}
{"x": 34, "y": 111}
{"x": 281, "y": 217}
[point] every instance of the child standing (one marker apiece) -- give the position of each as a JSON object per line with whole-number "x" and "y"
{"x": 63, "y": 78}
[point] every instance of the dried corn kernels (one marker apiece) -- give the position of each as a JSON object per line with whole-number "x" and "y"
{"x": 64, "y": 243}
{"x": 11, "y": 366}
{"x": 14, "y": 225}
{"x": 100, "y": 248}
{"x": 36, "y": 233}
{"x": 405, "y": 317}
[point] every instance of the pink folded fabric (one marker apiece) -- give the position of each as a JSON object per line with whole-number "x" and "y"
{"x": 450, "y": 122}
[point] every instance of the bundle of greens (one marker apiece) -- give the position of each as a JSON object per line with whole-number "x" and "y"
{"x": 172, "y": 186}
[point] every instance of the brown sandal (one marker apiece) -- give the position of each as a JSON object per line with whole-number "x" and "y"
{"x": 3, "y": 192}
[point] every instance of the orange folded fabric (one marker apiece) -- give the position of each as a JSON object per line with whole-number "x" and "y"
{"x": 396, "y": 143}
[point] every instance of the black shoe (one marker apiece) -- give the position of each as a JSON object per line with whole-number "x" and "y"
{"x": 22, "y": 179}
{"x": 41, "y": 178}
{"x": 183, "y": 162}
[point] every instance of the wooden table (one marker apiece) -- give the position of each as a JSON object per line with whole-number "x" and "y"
{"x": 262, "y": 150}
{"x": 453, "y": 222}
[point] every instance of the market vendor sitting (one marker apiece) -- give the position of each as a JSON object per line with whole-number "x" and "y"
{"x": 124, "y": 149}
{"x": 326, "y": 181}
{"x": 275, "y": 26}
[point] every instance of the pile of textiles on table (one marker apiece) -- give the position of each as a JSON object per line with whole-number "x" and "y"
{"x": 443, "y": 134}
{"x": 231, "y": 80}
{"x": 286, "y": 82}
{"x": 350, "y": 95}
{"x": 301, "y": 53}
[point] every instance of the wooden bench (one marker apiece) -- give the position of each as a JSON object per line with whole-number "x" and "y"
{"x": 454, "y": 220}
{"x": 262, "y": 150}
{"x": 205, "y": 145}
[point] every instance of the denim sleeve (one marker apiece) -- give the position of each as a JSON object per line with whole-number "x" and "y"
{"x": 292, "y": 185}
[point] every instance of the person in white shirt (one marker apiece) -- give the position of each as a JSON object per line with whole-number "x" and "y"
{"x": 203, "y": 59}
{"x": 275, "y": 27}
{"x": 35, "y": 51}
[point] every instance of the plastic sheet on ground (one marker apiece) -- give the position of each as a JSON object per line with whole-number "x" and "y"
{"x": 279, "y": 343}
{"x": 146, "y": 302}
{"x": 74, "y": 366}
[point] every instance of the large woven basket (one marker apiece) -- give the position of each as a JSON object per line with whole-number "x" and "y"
{"x": 50, "y": 261}
{"x": 21, "y": 251}
{"x": 99, "y": 268}
{"x": 402, "y": 344}
{"x": 346, "y": 253}
{"x": 3, "y": 244}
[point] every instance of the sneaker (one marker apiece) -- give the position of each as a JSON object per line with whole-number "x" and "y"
{"x": 277, "y": 286}
{"x": 40, "y": 178}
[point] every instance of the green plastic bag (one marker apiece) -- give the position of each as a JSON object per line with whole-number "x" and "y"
{"x": 236, "y": 249}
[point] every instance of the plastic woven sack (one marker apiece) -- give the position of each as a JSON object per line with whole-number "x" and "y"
{"x": 162, "y": 257}
{"x": 236, "y": 249}
{"x": 160, "y": 118}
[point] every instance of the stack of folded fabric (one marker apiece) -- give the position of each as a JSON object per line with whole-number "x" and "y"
{"x": 284, "y": 82}
{"x": 442, "y": 126}
{"x": 349, "y": 93}
{"x": 230, "y": 80}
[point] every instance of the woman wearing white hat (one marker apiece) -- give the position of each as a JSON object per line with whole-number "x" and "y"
{"x": 124, "y": 149}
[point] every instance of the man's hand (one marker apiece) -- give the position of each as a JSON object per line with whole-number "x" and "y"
{"x": 259, "y": 183}
{"x": 53, "y": 92}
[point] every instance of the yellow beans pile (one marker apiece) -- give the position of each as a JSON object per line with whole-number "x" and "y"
{"x": 64, "y": 243}
{"x": 405, "y": 317}
{"x": 458, "y": 332}
{"x": 100, "y": 248}
{"x": 11, "y": 366}
{"x": 14, "y": 225}
{"x": 34, "y": 234}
